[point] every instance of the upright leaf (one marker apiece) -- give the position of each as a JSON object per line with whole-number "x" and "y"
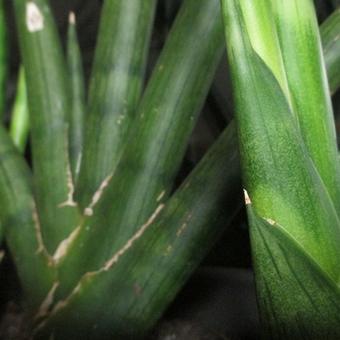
{"x": 20, "y": 220}
{"x": 158, "y": 138}
{"x": 76, "y": 119}
{"x": 149, "y": 270}
{"x": 115, "y": 89}
{"x": 286, "y": 193}
{"x": 303, "y": 59}
{"x": 48, "y": 98}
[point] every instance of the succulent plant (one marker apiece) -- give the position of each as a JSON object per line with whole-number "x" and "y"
{"x": 101, "y": 237}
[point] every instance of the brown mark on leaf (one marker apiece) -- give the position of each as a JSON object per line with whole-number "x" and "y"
{"x": 70, "y": 185}
{"x": 161, "y": 195}
{"x": 65, "y": 245}
{"x": 97, "y": 195}
{"x": 168, "y": 250}
{"x": 70, "y": 201}
{"x": 137, "y": 289}
{"x": 107, "y": 266}
{"x": 135, "y": 237}
{"x": 184, "y": 225}
{"x": 37, "y": 227}
{"x": 181, "y": 229}
{"x": 47, "y": 303}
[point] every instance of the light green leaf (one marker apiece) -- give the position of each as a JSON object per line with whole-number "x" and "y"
{"x": 330, "y": 35}
{"x": 78, "y": 107}
{"x": 297, "y": 299}
{"x": 278, "y": 174}
{"x": 19, "y": 128}
{"x": 302, "y": 55}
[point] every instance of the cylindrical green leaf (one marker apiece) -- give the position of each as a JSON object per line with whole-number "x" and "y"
{"x": 115, "y": 89}
{"x": 279, "y": 176}
{"x": 158, "y": 138}
{"x": 258, "y": 18}
{"x": 19, "y": 217}
{"x": 48, "y": 98}
{"x": 294, "y": 225}
{"x": 150, "y": 269}
{"x": 306, "y": 73}
{"x": 76, "y": 119}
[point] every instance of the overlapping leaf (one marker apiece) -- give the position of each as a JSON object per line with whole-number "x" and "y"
{"x": 297, "y": 298}
{"x": 295, "y": 217}
{"x": 49, "y": 105}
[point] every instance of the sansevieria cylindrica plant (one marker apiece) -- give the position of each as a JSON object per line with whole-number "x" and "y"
{"x": 290, "y": 164}
{"x": 101, "y": 237}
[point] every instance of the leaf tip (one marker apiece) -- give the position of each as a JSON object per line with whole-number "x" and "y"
{"x": 72, "y": 18}
{"x": 246, "y": 197}
{"x": 34, "y": 17}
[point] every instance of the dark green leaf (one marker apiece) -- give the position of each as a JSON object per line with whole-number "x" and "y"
{"x": 76, "y": 119}
{"x": 158, "y": 139}
{"x": 48, "y": 99}
{"x": 149, "y": 270}
{"x": 115, "y": 89}
{"x": 19, "y": 217}
{"x": 297, "y": 299}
